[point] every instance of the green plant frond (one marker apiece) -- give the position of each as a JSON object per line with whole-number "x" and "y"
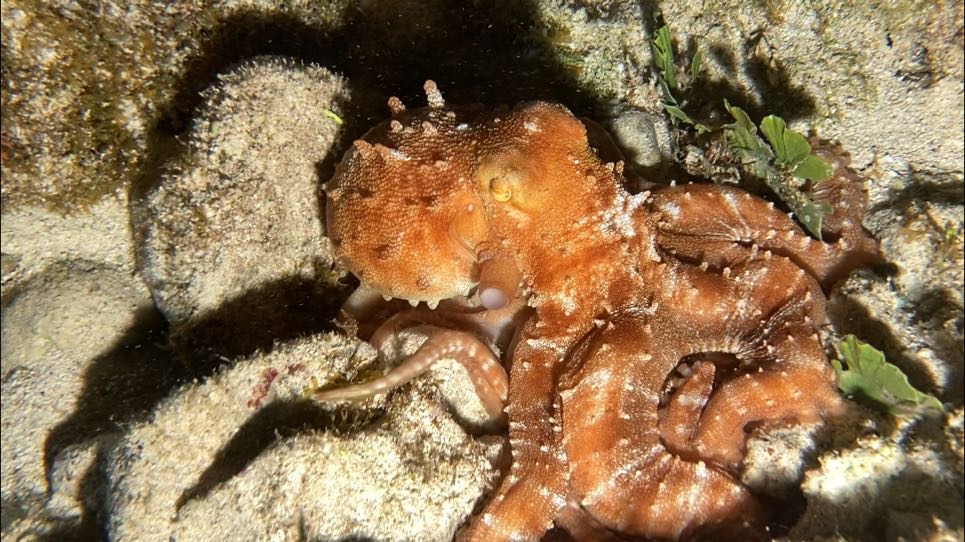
{"x": 811, "y": 216}
{"x": 864, "y": 373}
{"x": 695, "y": 63}
{"x": 663, "y": 57}
{"x": 742, "y": 133}
{"x": 677, "y": 114}
{"x": 788, "y": 154}
{"x": 813, "y": 168}
{"x": 792, "y": 150}
{"x": 334, "y": 117}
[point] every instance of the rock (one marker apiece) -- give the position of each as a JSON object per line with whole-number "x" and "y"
{"x": 904, "y": 483}
{"x": 636, "y": 133}
{"x": 233, "y": 246}
{"x": 76, "y": 482}
{"x": 35, "y": 238}
{"x": 854, "y": 72}
{"x": 244, "y": 448}
{"x": 882, "y": 490}
{"x": 62, "y": 331}
{"x": 82, "y": 87}
{"x": 777, "y": 457}
{"x": 602, "y": 46}
{"x": 914, "y": 312}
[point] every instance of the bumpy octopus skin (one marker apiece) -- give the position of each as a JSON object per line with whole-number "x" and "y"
{"x": 641, "y": 333}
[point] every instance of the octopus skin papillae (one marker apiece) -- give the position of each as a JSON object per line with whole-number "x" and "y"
{"x": 628, "y": 337}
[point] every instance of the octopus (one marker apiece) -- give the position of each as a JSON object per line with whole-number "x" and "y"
{"x": 628, "y": 333}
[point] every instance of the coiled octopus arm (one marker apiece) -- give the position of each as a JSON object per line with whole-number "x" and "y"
{"x": 740, "y": 279}
{"x": 666, "y": 473}
{"x": 622, "y": 473}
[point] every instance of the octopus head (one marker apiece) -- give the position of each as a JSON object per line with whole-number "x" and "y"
{"x": 402, "y": 212}
{"x": 437, "y": 200}
{"x": 401, "y": 241}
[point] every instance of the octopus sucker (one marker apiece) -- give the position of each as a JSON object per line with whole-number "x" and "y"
{"x": 628, "y": 339}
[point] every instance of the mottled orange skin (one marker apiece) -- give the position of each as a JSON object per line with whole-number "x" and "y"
{"x": 621, "y": 288}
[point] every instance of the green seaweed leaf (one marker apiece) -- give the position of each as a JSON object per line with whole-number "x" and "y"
{"x": 773, "y": 129}
{"x": 813, "y": 168}
{"x": 788, "y": 154}
{"x": 811, "y": 216}
{"x": 678, "y": 114}
{"x": 664, "y": 58}
{"x": 668, "y": 79}
{"x": 743, "y": 121}
{"x": 695, "y": 63}
{"x": 702, "y": 128}
{"x": 743, "y": 133}
{"x": 950, "y": 232}
{"x": 790, "y": 147}
{"x": 869, "y": 376}
{"x": 792, "y": 150}
{"x": 333, "y": 116}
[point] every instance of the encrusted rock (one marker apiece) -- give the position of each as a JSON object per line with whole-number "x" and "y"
{"x": 232, "y": 240}
{"x": 245, "y": 447}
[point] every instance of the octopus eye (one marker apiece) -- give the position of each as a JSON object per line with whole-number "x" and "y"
{"x": 501, "y": 189}
{"x": 502, "y": 179}
{"x": 505, "y": 185}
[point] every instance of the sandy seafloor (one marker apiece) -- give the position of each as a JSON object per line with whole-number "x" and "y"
{"x": 167, "y": 289}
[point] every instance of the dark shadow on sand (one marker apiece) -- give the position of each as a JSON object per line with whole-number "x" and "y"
{"x": 270, "y": 424}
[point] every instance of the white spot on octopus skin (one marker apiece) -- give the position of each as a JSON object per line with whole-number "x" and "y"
{"x": 671, "y": 209}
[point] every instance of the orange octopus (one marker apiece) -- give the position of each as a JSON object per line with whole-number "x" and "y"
{"x": 628, "y": 338}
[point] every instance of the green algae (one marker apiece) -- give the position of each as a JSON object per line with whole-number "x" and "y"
{"x": 78, "y": 92}
{"x": 88, "y": 89}
{"x": 863, "y": 372}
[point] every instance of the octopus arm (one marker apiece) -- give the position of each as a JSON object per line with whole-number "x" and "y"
{"x": 679, "y": 420}
{"x": 487, "y": 375}
{"x": 621, "y": 472}
{"x": 580, "y": 525}
{"x": 722, "y": 226}
{"x": 781, "y": 371}
{"x": 801, "y": 392}
{"x": 533, "y": 491}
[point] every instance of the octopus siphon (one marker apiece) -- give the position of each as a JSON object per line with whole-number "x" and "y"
{"x": 628, "y": 337}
